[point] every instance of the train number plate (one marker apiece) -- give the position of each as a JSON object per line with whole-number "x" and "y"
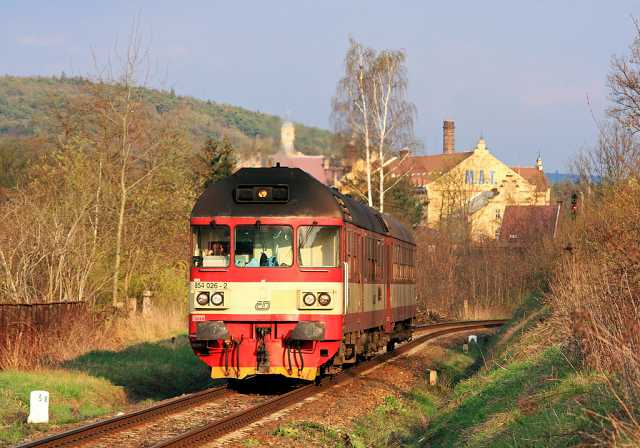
{"x": 210, "y": 285}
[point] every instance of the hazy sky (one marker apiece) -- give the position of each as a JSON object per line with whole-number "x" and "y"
{"x": 518, "y": 72}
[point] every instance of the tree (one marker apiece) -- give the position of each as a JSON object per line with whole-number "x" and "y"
{"x": 370, "y": 106}
{"x": 134, "y": 149}
{"x": 392, "y": 113}
{"x": 351, "y": 110}
{"x": 624, "y": 86}
{"x": 404, "y": 203}
{"x": 453, "y": 210}
{"x": 402, "y": 200}
{"x": 218, "y": 159}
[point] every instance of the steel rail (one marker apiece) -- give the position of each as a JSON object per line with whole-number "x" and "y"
{"x": 85, "y": 433}
{"x": 241, "y": 419}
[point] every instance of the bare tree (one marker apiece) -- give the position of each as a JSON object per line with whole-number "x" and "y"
{"x": 392, "y": 113}
{"x": 455, "y": 195}
{"x": 351, "y": 108}
{"x": 624, "y": 86}
{"x": 617, "y": 154}
{"x": 371, "y": 109}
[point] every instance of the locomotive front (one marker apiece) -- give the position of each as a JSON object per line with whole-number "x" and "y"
{"x": 266, "y": 292}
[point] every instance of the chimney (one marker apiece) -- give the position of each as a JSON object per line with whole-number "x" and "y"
{"x": 448, "y": 137}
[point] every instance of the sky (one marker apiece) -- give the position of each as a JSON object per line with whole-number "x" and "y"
{"x": 531, "y": 77}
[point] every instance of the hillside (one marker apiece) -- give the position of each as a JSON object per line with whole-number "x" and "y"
{"x": 25, "y": 102}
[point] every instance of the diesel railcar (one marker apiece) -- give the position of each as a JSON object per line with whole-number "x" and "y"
{"x": 290, "y": 277}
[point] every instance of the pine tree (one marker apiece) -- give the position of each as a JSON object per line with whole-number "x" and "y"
{"x": 404, "y": 203}
{"x": 220, "y": 160}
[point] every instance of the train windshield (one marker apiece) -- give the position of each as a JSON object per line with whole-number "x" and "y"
{"x": 318, "y": 246}
{"x": 211, "y": 246}
{"x": 263, "y": 246}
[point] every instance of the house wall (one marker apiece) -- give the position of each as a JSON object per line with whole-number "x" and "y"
{"x": 453, "y": 190}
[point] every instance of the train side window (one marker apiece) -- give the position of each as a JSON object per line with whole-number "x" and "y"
{"x": 318, "y": 246}
{"x": 359, "y": 259}
{"x": 210, "y": 246}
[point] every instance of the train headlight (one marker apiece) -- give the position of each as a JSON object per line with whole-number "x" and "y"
{"x": 217, "y": 299}
{"x": 203, "y": 298}
{"x": 309, "y": 299}
{"x": 324, "y": 299}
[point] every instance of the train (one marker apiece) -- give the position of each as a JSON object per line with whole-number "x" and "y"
{"x": 290, "y": 277}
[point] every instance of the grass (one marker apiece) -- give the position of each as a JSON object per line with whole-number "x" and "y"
{"x": 488, "y": 397}
{"x": 303, "y": 432}
{"x": 148, "y": 370}
{"x": 392, "y": 423}
{"x": 74, "y": 396}
{"x": 100, "y": 383}
{"x": 541, "y": 402}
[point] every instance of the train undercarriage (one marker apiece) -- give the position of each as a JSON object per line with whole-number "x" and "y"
{"x": 238, "y": 350}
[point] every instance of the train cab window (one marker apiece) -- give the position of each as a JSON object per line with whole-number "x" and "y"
{"x": 210, "y": 246}
{"x": 318, "y": 246}
{"x": 263, "y": 246}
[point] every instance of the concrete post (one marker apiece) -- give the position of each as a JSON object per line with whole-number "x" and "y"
{"x": 38, "y": 407}
{"x": 433, "y": 377}
{"x": 146, "y": 302}
{"x": 132, "y": 305}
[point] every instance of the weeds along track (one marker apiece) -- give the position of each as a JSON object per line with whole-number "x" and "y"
{"x": 237, "y": 420}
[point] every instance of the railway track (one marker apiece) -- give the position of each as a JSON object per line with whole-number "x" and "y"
{"x": 219, "y": 427}
{"x": 129, "y": 420}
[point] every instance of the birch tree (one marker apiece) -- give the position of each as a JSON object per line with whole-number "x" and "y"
{"x": 370, "y": 109}
{"x": 351, "y": 109}
{"x": 392, "y": 114}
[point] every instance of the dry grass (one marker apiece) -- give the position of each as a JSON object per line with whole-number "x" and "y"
{"x": 105, "y": 331}
{"x": 595, "y": 297}
{"x": 156, "y": 325}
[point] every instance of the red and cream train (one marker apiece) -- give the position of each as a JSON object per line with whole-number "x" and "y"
{"x": 290, "y": 277}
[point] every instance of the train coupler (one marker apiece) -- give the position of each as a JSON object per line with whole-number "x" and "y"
{"x": 262, "y": 354}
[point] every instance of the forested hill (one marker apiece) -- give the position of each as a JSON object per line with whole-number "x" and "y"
{"x": 26, "y": 104}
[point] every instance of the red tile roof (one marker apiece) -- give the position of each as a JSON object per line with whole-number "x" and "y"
{"x": 528, "y": 222}
{"x": 311, "y": 164}
{"x": 533, "y": 175}
{"x": 429, "y": 168}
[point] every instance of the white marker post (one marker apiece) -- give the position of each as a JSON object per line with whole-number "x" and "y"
{"x": 433, "y": 377}
{"x": 38, "y": 407}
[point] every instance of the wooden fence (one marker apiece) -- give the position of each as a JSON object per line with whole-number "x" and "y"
{"x": 27, "y": 321}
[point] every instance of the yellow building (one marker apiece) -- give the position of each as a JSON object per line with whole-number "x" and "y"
{"x": 473, "y": 188}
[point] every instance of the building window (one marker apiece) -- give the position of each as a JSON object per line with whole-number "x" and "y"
{"x": 498, "y": 214}
{"x": 469, "y": 177}
{"x": 492, "y": 177}
{"x": 481, "y": 177}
